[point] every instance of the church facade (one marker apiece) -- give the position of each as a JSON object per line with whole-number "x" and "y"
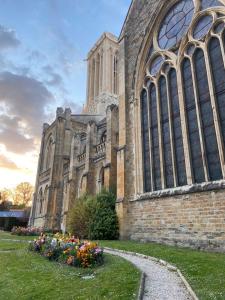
{"x": 153, "y": 128}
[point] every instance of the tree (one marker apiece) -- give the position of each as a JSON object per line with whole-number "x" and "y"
{"x": 23, "y": 193}
{"x": 5, "y": 195}
{"x": 5, "y": 199}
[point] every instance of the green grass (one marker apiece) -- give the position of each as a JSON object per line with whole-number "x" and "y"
{"x": 204, "y": 271}
{"x": 25, "y": 275}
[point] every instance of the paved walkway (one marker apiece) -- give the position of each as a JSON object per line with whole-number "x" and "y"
{"x": 160, "y": 283}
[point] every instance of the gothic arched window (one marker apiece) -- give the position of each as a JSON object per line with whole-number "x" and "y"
{"x": 206, "y": 114}
{"x": 145, "y": 141}
{"x": 48, "y": 153}
{"x": 192, "y": 123}
{"x": 154, "y": 132}
{"x": 218, "y": 71}
{"x": 183, "y": 97}
{"x": 176, "y": 129}
{"x": 166, "y": 138}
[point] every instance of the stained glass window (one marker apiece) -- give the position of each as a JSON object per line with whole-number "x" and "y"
{"x": 210, "y": 3}
{"x": 219, "y": 27}
{"x": 203, "y": 26}
{"x": 211, "y": 146}
{"x": 190, "y": 50}
{"x": 156, "y": 65}
{"x": 192, "y": 124}
{"x": 155, "y": 139}
{"x": 218, "y": 72}
{"x": 166, "y": 139}
{"x": 164, "y": 147}
{"x": 175, "y": 24}
{"x": 176, "y": 127}
{"x": 145, "y": 142}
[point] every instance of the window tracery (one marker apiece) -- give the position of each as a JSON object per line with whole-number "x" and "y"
{"x": 209, "y": 3}
{"x": 175, "y": 24}
{"x": 183, "y": 97}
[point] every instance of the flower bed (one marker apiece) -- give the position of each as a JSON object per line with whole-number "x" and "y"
{"x": 68, "y": 250}
{"x": 26, "y": 231}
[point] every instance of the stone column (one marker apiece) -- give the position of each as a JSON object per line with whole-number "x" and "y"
{"x": 39, "y": 170}
{"x": 89, "y": 169}
{"x": 121, "y": 205}
{"x": 111, "y": 146}
{"x": 53, "y": 220}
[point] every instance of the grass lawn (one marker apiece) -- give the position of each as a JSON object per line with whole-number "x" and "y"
{"x": 25, "y": 275}
{"x": 204, "y": 271}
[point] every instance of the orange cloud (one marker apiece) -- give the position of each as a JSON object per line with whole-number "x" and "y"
{"x": 6, "y": 163}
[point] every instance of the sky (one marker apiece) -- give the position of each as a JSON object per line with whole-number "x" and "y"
{"x": 43, "y": 47}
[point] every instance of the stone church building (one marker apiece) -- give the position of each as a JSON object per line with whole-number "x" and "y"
{"x": 153, "y": 128}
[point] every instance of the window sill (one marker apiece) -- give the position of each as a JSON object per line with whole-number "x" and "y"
{"x": 187, "y": 189}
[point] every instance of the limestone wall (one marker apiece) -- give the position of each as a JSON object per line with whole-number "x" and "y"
{"x": 195, "y": 220}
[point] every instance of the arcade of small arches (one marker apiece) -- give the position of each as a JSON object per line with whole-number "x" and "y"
{"x": 182, "y": 98}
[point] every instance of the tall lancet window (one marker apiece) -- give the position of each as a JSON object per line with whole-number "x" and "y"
{"x": 166, "y": 137}
{"x": 218, "y": 71}
{"x": 145, "y": 141}
{"x": 206, "y": 114}
{"x": 192, "y": 123}
{"x": 154, "y": 131}
{"x": 176, "y": 129}
{"x": 183, "y": 73}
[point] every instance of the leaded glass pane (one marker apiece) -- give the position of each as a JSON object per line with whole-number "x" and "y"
{"x": 145, "y": 142}
{"x": 175, "y": 24}
{"x": 156, "y": 65}
{"x": 190, "y": 50}
{"x": 219, "y": 27}
{"x": 208, "y": 127}
{"x": 155, "y": 139}
{"x": 177, "y": 132}
{"x": 192, "y": 124}
{"x": 203, "y": 26}
{"x": 210, "y": 3}
{"x": 166, "y": 139}
{"x": 218, "y": 71}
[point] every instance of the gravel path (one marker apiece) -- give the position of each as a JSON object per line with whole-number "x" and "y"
{"x": 160, "y": 283}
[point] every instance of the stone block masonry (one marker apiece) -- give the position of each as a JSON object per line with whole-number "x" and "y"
{"x": 194, "y": 220}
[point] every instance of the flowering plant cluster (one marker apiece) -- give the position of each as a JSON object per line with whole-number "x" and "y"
{"x": 27, "y": 231}
{"x": 68, "y": 250}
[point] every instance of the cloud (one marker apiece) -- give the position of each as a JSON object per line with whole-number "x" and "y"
{"x": 6, "y": 163}
{"x": 75, "y": 108}
{"x": 55, "y": 78}
{"x": 25, "y": 101}
{"x": 35, "y": 55}
{"x": 8, "y": 38}
{"x": 12, "y": 135}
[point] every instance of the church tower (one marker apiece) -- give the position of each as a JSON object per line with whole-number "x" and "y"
{"x": 102, "y": 75}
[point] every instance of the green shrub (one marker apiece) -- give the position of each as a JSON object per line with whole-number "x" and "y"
{"x": 79, "y": 217}
{"x": 94, "y": 217}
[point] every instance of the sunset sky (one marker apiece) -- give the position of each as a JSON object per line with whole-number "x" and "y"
{"x": 43, "y": 46}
